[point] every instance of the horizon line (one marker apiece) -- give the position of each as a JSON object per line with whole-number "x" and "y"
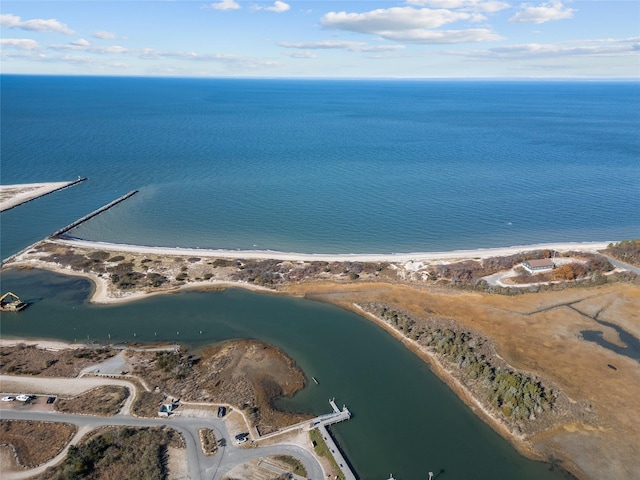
{"x": 329, "y": 78}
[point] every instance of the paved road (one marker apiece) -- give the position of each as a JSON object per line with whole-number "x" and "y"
{"x": 201, "y": 467}
{"x": 626, "y": 266}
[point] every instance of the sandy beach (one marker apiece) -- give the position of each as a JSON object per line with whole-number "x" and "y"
{"x": 356, "y": 257}
{"x": 14, "y": 195}
{"x": 409, "y": 262}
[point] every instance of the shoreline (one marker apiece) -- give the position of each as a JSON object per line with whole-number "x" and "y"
{"x": 519, "y": 442}
{"x": 337, "y": 257}
{"x": 101, "y": 293}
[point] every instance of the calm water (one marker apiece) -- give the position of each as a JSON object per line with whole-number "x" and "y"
{"x": 326, "y": 166}
{"x": 405, "y": 420}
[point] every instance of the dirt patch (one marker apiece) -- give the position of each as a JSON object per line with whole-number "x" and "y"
{"x": 245, "y": 373}
{"x": 35, "y": 443}
{"x": 8, "y": 459}
{"x": 105, "y": 401}
{"x": 177, "y": 464}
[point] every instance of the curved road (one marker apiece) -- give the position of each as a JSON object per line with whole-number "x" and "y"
{"x": 201, "y": 467}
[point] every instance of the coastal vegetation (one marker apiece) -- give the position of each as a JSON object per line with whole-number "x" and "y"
{"x": 626, "y": 251}
{"x": 24, "y": 359}
{"x": 133, "y": 272}
{"x": 246, "y": 373}
{"x": 34, "y": 443}
{"x": 105, "y": 401}
{"x": 208, "y": 441}
{"x": 118, "y": 453}
{"x": 517, "y": 397}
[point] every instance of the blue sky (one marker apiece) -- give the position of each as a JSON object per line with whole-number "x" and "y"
{"x": 354, "y": 38}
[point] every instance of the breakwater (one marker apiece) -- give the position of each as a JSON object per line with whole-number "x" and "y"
{"x": 74, "y": 224}
{"x": 93, "y": 214}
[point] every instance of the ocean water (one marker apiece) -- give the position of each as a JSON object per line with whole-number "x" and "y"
{"x": 325, "y": 166}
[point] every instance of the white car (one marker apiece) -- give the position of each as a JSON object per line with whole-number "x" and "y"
{"x": 7, "y": 399}
{"x": 23, "y": 398}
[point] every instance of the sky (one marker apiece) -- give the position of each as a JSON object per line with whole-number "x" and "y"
{"x": 592, "y": 39}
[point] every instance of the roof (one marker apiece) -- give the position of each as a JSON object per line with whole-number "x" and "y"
{"x": 540, "y": 262}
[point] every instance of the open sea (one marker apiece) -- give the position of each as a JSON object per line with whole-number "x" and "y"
{"x": 326, "y": 166}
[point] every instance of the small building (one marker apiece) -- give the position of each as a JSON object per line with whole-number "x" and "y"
{"x": 166, "y": 409}
{"x": 539, "y": 265}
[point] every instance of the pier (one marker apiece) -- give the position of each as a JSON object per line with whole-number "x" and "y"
{"x": 321, "y": 424}
{"x": 93, "y": 214}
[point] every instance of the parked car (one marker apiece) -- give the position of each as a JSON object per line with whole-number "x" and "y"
{"x": 222, "y": 411}
{"x": 23, "y": 398}
{"x": 8, "y": 399}
{"x": 51, "y": 399}
{"x": 242, "y": 437}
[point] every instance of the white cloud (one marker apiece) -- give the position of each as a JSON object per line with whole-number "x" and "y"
{"x": 81, "y": 42}
{"x": 443, "y": 36}
{"x": 392, "y": 19}
{"x": 408, "y": 24}
{"x": 104, "y": 35}
{"x": 341, "y": 45}
{"x": 84, "y": 46}
{"x": 489, "y": 6}
{"x": 413, "y": 25}
{"x": 543, "y": 13}
{"x": 305, "y": 54}
{"x": 278, "y": 7}
{"x": 19, "y": 43}
{"x": 37, "y": 25}
{"x": 592, "y": 48}
{"x": 225, "y": 5}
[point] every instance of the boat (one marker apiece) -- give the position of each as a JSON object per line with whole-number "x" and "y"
{"x": 10, "y": 302}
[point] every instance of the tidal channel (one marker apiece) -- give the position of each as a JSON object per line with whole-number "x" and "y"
{"x": 405, "y": 420}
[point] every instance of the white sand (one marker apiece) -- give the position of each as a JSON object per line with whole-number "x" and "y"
{"x": 365, "y": 257}
{"x": 45, "y": 344}
{"x": 12, "y": 195}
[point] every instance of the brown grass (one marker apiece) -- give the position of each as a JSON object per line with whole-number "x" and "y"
{"x": 105, "y": 401}
{"x": 31, "y": 360}
{"x": 540, "y": 333}
{"x": 245, "y": 373}
{"x": 35, "y": 442}
{"x": 208, "y": 441}
{"x": 147, "y": 404}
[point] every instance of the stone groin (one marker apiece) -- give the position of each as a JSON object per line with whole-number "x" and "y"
{"x": 93, "y": 214}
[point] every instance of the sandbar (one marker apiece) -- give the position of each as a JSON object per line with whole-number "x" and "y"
{"x": 14, "y": 195}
